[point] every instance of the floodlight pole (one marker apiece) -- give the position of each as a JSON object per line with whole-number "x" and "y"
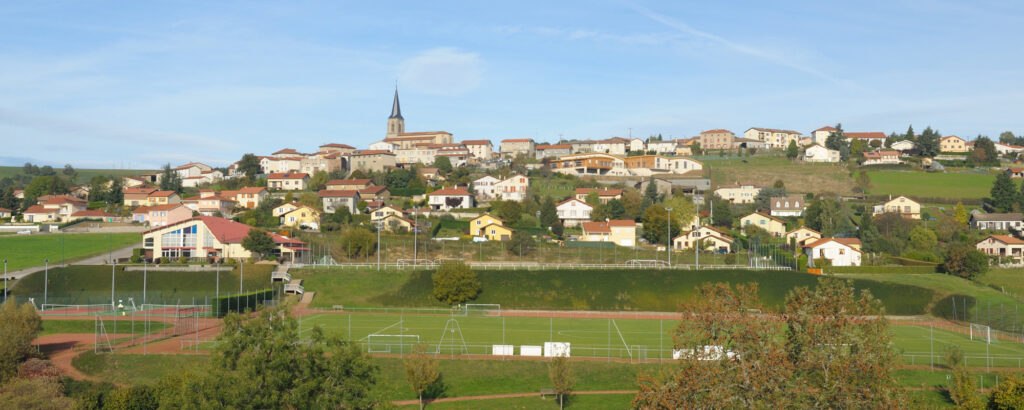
{"x": 218, "y": 281}
{"x": 668, "y": 237}
{"x": 144, "y": 264}
{"x": 112, "y": 267}
{"x": 46, "y": 278}
{"x": 415, "y": 241}
{"x": 5, "y": 280}
{"x": 378, "y": 245}
{"x": 241, "y": 276}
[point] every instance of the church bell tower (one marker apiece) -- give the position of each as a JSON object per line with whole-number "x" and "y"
{"x": 396, "y": 124}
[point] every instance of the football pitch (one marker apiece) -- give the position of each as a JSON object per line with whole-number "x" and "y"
{"x": 636, "y": 340}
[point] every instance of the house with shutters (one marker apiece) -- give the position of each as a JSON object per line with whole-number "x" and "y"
{"x": 572, "y": 212}
{"x": 902, "y": 205}
{"x": 953, "y": 143}
{"x": 1003, "y": 246}
{"x": 333, "y": 200}
{"x": 552, "y": 150}
{"x": 161, "y": 215}
{"x": 479, "y": 149}
{"x": 396, "y": 223}
{"x": 771, "y": 224}
{"x": 782, "y": 206}
{"x": 250, "y": 197}
{"x": 818, "y": 153}
{"x": 837, "y": 251}
{"x": 1012, "y": 222}
{"x": 618, "y": 231}
{"x": 385, "y": 211}
{"x": 709, "y": 239}
{"x": 476, "y": 225}
{"x": 882, "y": 157}
{"x": 740, "y": 193}
{"x": 802, "y": 235}
{"x": 446, "y": 199}
{"x": 517, "y": 146}
{"x": 302, "y": 216}
{"x": 288, "y": 181}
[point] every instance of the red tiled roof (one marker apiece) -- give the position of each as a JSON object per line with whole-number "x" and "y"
{"x": 826, "y": 128}
{"x": 845, "y": 241}
{"x": 5, "y": 210}
{"x": 287, "y": 175}
{"x": 146, "y": 209}
{"x": 333, "y": 145}
{"x": 372, "y": 152}
{"x": 90, "y": 213}
{"x": 450, "y": 191}
{"x": 865, "y": 135}
{"x": 622, "y": 222}
{"x": 251, "y": 190}
{"x": 226, "y": 230}
{"x": 518, "y": 140}
{"x": 476, "y": 142}
{"x": 596, "y": 227}
{"x": 39, "y": 209}
{"x": 573, "y": 199}
{"x": 373, "y": 190}
{"x": 160, "y": 194}
{"x": 286, "y": 151}
{"x": 951, "y": 136}
{"x": 334, "y": 193}
{"x": 1007, "y": 239}
{"x": 715, "y": 131}
{"x": 62, "y": 199}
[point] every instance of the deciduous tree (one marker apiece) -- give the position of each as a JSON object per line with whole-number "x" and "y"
{"x": 965, "y": 261}
{"x": 421, "y": 370}
{"x": 562, "y": 377}
{"x": 960, "y": 214}
{"x": 249, "y": 166}
{"x": 455, "y": 283}
{"x": 19, "y": 326}
{"x": 258, "y": 242}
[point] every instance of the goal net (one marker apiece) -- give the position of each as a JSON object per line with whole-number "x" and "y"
{"x": 391, "y": 343}
{"x": 982, "y": 333}
{"x": 481, "y": 309}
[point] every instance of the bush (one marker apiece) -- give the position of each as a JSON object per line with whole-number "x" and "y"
{"x": 965, "y": 261}
{"x": 455, "y": 283}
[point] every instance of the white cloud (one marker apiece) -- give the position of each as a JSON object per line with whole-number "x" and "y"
{"x": 442, "y": 71}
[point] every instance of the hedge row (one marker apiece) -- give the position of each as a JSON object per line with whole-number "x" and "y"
{"x": 240, "y": 302}
{"x": 407, "y": 191}
{"x": 881, "y": 269}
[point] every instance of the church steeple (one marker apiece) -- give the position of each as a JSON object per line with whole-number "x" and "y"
{"x": 396, "y": 124}
{"x": 396, "y": 109}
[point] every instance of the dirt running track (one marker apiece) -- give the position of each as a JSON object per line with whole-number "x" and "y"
{"x": 62, "y": 348}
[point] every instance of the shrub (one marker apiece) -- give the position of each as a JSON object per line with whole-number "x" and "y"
{"x": 455, "y": 283}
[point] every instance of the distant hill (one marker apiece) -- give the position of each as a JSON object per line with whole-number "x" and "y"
{"x": 84, "y": 175}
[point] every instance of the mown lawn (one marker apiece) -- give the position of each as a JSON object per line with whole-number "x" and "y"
{"x": 930, "y": 185}
{"x": 91, "y": 284}
{"x": 25, "y": 251}
{"x": 132, "y": 369}
{"x": 618, "y": 290}
{"x": 1010, "y": 280}
{"x": 111, "y": 325}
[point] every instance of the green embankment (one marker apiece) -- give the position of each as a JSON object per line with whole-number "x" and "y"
{"x": 616, "y": 290}
{"x": 91, "y": 284}
{"x": 25, "y": 251}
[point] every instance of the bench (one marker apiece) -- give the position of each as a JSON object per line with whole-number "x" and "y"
{"x": 547, "y": 392}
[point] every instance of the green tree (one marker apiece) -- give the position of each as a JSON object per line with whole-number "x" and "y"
{"x": 98, "y": 188}
{"x": 398, "y": 178}
{"x": 928, "y": 143}
{"x": 311, "y": 200}
{"x": 356, "y": 242}
{"x": 114, "y": 195}
{"x": 455, "y": 283}
{"x": 1008, "y": 394}
{"x": 962, "y": 390}
{"x": 837, "y": 140}
{"x": 792, "y": 151}
{"x": 557, "y": 229}
{"x": 19, "y": 326}
{"x": 909, "y": 135}
{"x": 548, "y": 212}
{"x": 922, "y": 239}
{"x": 651, "y": 192}
{"x": 600, "y": 213}
{"x": 509, "y": 211}
{"x": 1007, "y": 137}
{"x": 262, "y": 363}
{"x": 863, "y": 181}
{"x": 631, "y": 203}
{"x": 616, "y": 210}
{"x": 824, "y": 215}
{"x": 562, "y": 378}
{"x": 720, "y": 209}
{"x": 443, "y": 164}
{"x": 421, "y": 370}
{"x": 960, "y": 214}
{"x": 984, "y": 151}
{"x": 965, "y": 261}
{"x": 656, "y": 222}
{"x": 520, "y": 244}
{"x": 249, "y": 166}
{"x": 593, "y": 198}
{"x": 258, "y": 242}
{"x": 170, "y": 181}
{"x": 1003, "y": 195}
{"x": 318, "y": 181}
{"x": 868, "y": 232}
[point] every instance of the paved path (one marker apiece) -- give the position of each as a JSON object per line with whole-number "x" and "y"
{"x": 125, "y": 252}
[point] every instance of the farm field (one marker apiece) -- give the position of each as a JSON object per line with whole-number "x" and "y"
{"x": 84, "y": 175}
{"x": 607, "y": 290}
{"x": 930, "y": 185}
{"x": 85, "y": 285}
{"x": 25, "y": 251}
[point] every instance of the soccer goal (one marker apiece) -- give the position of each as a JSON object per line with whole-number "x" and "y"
{"x": 982, "y": 333}
{"x": 481, "y": 309}
{"x": 391, "y": 343}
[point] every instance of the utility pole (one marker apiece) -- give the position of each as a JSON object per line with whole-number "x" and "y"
{"x": 668, "y": 235}
{"x": 378, "y": 244}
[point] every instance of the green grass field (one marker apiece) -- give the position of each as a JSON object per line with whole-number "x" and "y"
{"x": 84, "y": 175}
{"x": 1009, "y": 280}
{"x": 25, "y": 251}
{"x": 930, "y": 185}
{"x": 56, "y": 327}
{"x": 608, "y": 290}
{"x": 766, "y": 169}
{"x": 84, "y": 285}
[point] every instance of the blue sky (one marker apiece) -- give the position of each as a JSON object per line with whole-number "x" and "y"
{"x": 140, "y": 84}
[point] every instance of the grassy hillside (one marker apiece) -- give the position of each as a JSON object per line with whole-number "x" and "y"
{"x": 25, "y": 251}
{"x": 84, "y": 175}
{"x": 629, "y": 290}
{"x": 932, "y": 185}
{"x": 799, "y": 177}
{"x": 91, "y": 284}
